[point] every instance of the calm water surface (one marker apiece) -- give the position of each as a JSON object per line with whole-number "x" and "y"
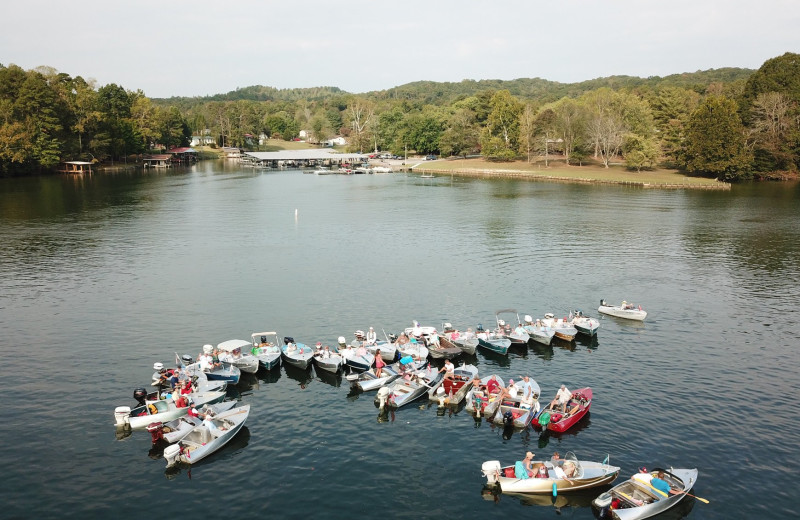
{"x": 101, "y": 276}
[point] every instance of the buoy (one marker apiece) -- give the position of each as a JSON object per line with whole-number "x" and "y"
{"x": 555, "y": 491}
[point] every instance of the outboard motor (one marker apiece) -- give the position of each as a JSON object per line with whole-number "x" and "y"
{"x": 287, "y": 340}
{"x": 187, "y": 359}
{"x": 140, "y": 394}
{"x": 480, "y": 328}
{"x": 508, "y": 425}
{"x": 263, "y": 339}
{"x": 392, "y": 338}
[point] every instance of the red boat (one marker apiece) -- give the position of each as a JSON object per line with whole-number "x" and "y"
{"x": 577, "y": 407}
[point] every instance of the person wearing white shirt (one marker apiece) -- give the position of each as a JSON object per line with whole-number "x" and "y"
{"x": 562, "y": 398}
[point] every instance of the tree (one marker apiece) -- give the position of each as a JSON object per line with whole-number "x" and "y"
{"x": 545, "y": 131}
{"x": 569, "y": 124}
{"x": 503, "y": 123}
{"x": 461, "y": 136}
{"x": 715, "y": 140}
{"x": 640, "y": 152}
{"x": 527, "y": 131}
{"x": 361, "y": 114}
{"x": 774, "y": 130}
{"x": 671, "y": 110}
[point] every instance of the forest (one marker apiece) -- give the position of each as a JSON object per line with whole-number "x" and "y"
{"x": 731, "y": 124}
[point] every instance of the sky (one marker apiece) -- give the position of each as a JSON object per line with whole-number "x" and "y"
{"x": 179, "y": 48}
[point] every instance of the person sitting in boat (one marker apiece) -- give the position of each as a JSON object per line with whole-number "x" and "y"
{"x": 493, "y": 386}
{"x": 448, "y": 369}
{"x": 511, "y": 390}
{"x": 192, "y": 412}
{"x": 215, "y": 361}
{"x": 643, "y": 476}
{"x": 402, "y": 339}
{"x": 569, "y": 469}
{"x": 326, "y": 352}
{"x": 372, "y": 337}
{"x": 187, "y": 387}
{"x": 205, "y": 361}
{"x": 181, "y": 401}
{"x": 556, "y": 456}
{"x": 469, "y": 334}
{"x": 434, "y": 340}
{"x": 417, "y": 331}
{"x": 562, "y": 398}
{"x": 520, "y": 330}
{"x": 542, "y": 472}
{"x": 527, "y": 463}
{"x": 560, "y": 473}
{"x": 660, "y": 483}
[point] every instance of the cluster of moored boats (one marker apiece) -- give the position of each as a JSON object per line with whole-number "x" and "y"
{"x": 189, "y": 412}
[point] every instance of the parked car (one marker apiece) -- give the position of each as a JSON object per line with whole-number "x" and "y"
{"x": 430, "y": 157}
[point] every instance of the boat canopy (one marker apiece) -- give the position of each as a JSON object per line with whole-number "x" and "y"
{"x": 233, "y": 344}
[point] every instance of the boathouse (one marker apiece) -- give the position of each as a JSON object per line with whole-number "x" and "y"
{"x": 301, "y": 158}
{"x": 161, "y": 160}
{"x": 75, "y": 167}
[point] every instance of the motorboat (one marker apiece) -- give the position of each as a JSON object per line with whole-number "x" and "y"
{"x": 519, "y": 410}
{"x": 576, "y": 408}
{"x": 163, "y": 410}
{"x": 585, "y": 324}
{"x": 266, "y": 349}
{"x": 299, "y": 355}
{"x": 413, "y": 348}
{"x": 626, "y": 310}
{"x": 466, "y": 341}
{"x": 328, "y": 360}
{"x": 563, "y": 475}
{"x": 237, "y": 353}
{"x": 388, "y": 350}
{"x": 369, "y": 380}
{"x": 492, "y": 342}
{"x": 322, "y": 170}
{"x": 208, "y": 437}
{"x": 439, "y": 350}
{"x": 453, "y": 390}
{"x": 355, "y": 356}
{"x": 538, "y": 331}
{"x": 563, "y": 329}
{"x": 633, "y": 499}
{"x": 482, "y": 401}
{"x": 515, "y": 333}
{"x": 175, "y": 430}
{"x": 408, "y": 388}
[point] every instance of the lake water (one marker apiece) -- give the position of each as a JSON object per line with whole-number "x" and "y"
{"x": 104, "y": 275}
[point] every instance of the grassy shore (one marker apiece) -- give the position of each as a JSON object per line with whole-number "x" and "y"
{"x": 558, "y": 171}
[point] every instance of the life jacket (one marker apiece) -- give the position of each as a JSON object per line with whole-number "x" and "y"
{"x": 152, "y": 408}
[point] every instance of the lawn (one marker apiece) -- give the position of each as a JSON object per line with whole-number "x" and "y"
{"x": 559, "y": 171}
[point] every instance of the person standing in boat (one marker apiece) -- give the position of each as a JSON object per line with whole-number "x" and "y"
{"x": 372, "y": 337}
{"x": 520, "y": 330}
{"x": 379, "y": 363}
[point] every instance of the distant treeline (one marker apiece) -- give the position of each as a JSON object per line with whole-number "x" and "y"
{"x": 728, "y": 123}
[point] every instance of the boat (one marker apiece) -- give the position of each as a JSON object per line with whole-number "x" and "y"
{"x": 266, "y": 349}
{"x": 388, "y": 350}
{"x": 296, "y": 354}
{"x": 175, "y": 430}
{"x": 563, "y": 329}
{"x": 163, "y": 410}
{"x": 382, "y": 169}
{"x": 538, "y": 331}
{"x": 626, "y": 310}
{"x": 408, "y": 388}
{"x": 355, "y": 356}
{"x": 633, "y": 499}
{"x": 322, "y": 170}
{"x": 509, "y": 330}
{"x": 577, "y": 407}
{"x": 466, "y": 341}
{"x": 439, "y": 350}
{"x": 328, "y": 360}
{"x": 413, "y": 348}
{"x": 453, "y": 390}
{"x": 482, "y": 402}
{"x": 202, "y": 441}
{"x": 368, "y": 380}
{"x": 492, "y": 342}
{"x": 584, "y": 475}
{"x": 422, "y": 334}
{"x": 585, "y": 324}
{"x": 517, "y": 409}
{"x": 236, "y": 352}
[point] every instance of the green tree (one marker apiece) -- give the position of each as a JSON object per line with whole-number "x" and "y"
{"x": 716, "y": 141}
{"x": 503, "y": 123}
{"x": 640, "y": 152}
{"x": 461, "y": 137}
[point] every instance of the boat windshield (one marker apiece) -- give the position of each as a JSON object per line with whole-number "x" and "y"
{"x": 570, "y": 457}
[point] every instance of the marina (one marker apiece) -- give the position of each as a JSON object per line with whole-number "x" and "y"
{"x": 106, "y": 275}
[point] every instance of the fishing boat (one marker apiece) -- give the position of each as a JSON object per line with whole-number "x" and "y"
{"x": 482, "y": 401}
{"x": 236, "y": 352}
{"x": 413, "y": 348}
{"x": 203, "y": 440}
{"x": 388, "y": 350}
{"x": 626, "y": 310}
{"x": 577, "y": 407}
{"x": 266, "y": 349}
{"x": 466, "y": 341}
{"x": 408, "y": 388}
{"x": 492, "y": 342}
{"x": 585, "y": 324}
{"x": 355, "y": 356}
{"x": 538, "y": 331}
{"x": 564, "y": 475}
{"x": 296, "y": 354}
{"x": 563, "y": 329}
{"x": 163, "y": 410}
{"x": 514, "y": 331}
{"x": 453, "y": 390}
{"x": 633, "y": 499}
{"x": 175, "y": 430}
{"x": 518, "y": 408}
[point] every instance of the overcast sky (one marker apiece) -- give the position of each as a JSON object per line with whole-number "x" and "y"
{"x": 180, "y": 48}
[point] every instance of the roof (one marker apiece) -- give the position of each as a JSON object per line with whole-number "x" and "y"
{"x": 79, "y": 163}
{"x": 183, "y": 150}
{"x": 309, "y": 154}
{"x": 157, "y": 157}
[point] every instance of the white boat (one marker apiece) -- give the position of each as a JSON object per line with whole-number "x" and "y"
{"x": 266, "y": 349}
{"x": 538, "y": 331}
{"x": 408, "y": 388}
{"x": 420, "y": 333}
{"x": 223, "y": 372}
{"x": 388, "y": 350}
{"x": 328, "y": 360}
{"x": 356, "y": 356}
{"x": 322, "y": 170}
{"x": 202, "y": 441}
{"x": 517, "y": 410}
{"x": 585, "y": 324}
{"x": 236, "y": 352}
{"x": 582, "y": 474}
{"x": 633, "y": 499}
{"x": 413, "y": 348}
{"x": 482, "y": 402}
{"x": 299, "y": 355}
{"x": 381, "y": 169}
{"x": 563, "y": 329}
{"x": 177, "y": 429}
{"x": 164, "y": 410}
{"x": 368, "y": 380}
{"x": 510, "y": 329}
{"x": 627, "y": 310}
{"x": 493, "y": 342}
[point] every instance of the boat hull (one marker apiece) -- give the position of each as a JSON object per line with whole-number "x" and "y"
{"x": 595, "y": 474}
{"x": 496, "y": 345}
{"x": 652, "y": 502}
{"x": 561, "y": 423}
{"x": 619, "y": 312}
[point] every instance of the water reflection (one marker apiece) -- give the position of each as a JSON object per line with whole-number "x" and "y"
{"x": 329, "y": 378}
{"x": 270, "y": 376}
{"x": 302, "y": 375}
